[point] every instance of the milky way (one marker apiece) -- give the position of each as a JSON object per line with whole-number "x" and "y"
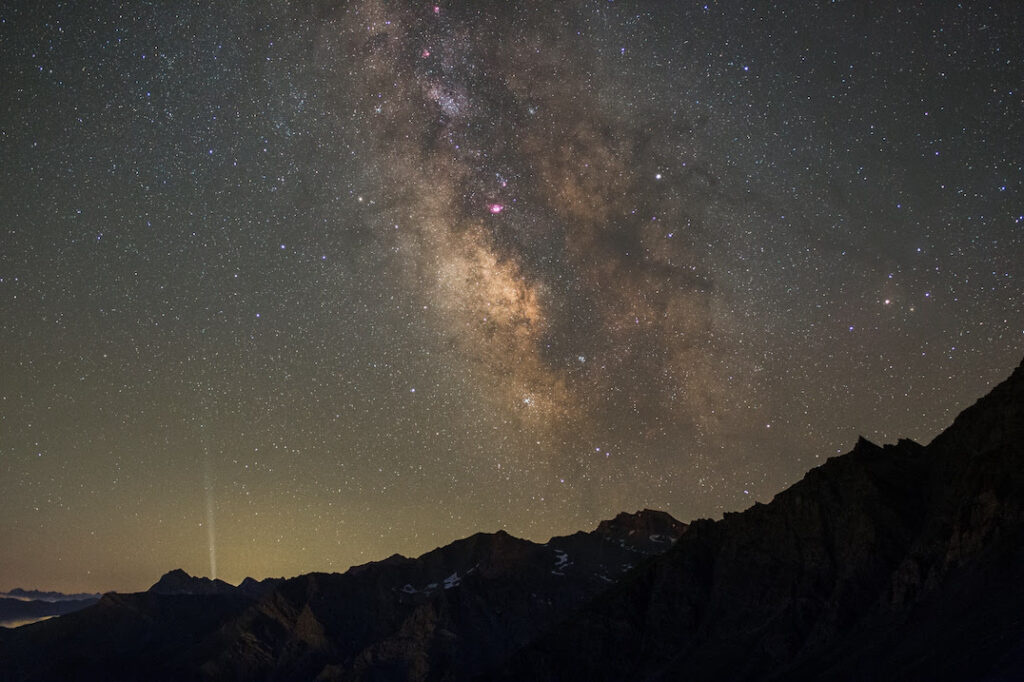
{"x": 354, "y": 278}
{"x": 558, "y": 237}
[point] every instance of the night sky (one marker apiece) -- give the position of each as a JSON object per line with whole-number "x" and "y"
{"x": 289, "y": 286}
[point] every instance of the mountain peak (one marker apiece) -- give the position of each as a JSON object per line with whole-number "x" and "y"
{"x": 258, "y": 588}
{"x": 864, "y": 445}
{"x": 178, "y": 581}
{"x": 900, "y": 562}
{"x": 641, "y": 524}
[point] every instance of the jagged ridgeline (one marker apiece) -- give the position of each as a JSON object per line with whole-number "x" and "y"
{"x": 455, "y": 612}
{"x": 901, "y": 562}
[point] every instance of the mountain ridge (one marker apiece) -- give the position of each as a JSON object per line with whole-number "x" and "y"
{"x": 51, "y": 596}
{"x": 400, "y": 613}
{"x": 835, "y": 578}
{"x": 890, "y": 562}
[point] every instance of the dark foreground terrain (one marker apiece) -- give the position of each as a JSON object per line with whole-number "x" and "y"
{"x": 902, "y": 562}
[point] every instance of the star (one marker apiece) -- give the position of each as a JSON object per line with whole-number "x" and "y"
{"x": 455, "y": 204}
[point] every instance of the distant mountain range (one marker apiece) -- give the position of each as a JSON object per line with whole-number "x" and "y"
{"x": 902, "y": 562}
{"x": 18, "y": 610}
{"x": 36, "y": 595}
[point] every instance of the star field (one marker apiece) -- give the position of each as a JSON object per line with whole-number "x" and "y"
{"x": 292, "y": 286}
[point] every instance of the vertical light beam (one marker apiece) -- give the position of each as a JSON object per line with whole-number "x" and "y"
{"x": 211, "y": 528}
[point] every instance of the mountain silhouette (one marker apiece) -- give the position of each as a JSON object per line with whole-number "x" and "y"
{"x": 180, "y": 582}
{"x": 456, "y": 611}
{"x": 17, "y": 611}
{"x": 896, "y": 562}
{"x": 37, "y": 595}
{"x": 901, "y": 562}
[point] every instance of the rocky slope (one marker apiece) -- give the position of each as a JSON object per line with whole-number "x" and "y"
{"x": 449, "y": 614}
{"x": 901, "y": 562}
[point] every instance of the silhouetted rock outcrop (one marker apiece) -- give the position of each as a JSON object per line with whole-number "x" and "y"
{"x": 257, "y": 588}
{"x": 180, "y": 582}
{"x": 901, "y": 562}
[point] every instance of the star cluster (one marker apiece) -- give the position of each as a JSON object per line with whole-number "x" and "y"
{"x": 292, "y": 286}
